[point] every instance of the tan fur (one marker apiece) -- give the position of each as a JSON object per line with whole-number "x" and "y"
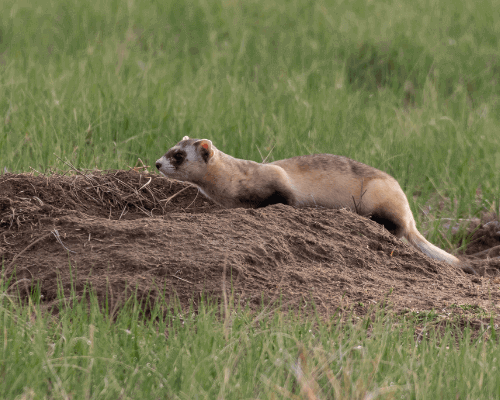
{"x": 321, "y": 180}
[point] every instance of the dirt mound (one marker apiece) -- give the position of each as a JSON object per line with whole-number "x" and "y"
{"x": 127, "y": 230}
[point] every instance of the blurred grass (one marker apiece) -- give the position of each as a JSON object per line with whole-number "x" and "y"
{"x": 80, "y": 348}
{"x": 411, "y": 88}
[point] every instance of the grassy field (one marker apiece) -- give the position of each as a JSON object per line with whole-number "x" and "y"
{"x": 90, "y": 352}
{"x": 412, "y": 88}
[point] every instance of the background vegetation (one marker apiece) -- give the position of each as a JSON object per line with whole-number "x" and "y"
{"x": 410, "y": 87}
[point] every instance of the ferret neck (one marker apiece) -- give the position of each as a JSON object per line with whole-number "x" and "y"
{"x": 217, "y": 173}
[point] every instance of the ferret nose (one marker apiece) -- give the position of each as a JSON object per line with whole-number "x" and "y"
{"x": 158, "y": 164}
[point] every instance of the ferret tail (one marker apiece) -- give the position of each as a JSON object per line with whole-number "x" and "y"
{"x": 421, "y": 243}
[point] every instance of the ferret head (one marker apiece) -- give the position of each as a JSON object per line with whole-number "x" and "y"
{"x": 187, "y": 160}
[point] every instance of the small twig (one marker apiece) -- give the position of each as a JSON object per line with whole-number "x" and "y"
{"x": 156, "y": 201}
{"x": 122, "y": 212}
{"x": 89, "y": 178}
{"x": 97, "y": 201}
{"x": 41, "y": 173}
{"x": 150, "y": 214}
{"x": 260, "y": 154}
{"x": 39, "y": 200}
{"x": 182, "y": 279}
{"x": 195, "y": 197}
{"x": 131, "y": 194}
{"x": 174, "y": 195}
{"x": 136, "y": 168}
{"x": 146, "y": 184}
{"x": 55, "y": 232}
{"x": 358, "y": 211}
{"x": 268, "y": 154}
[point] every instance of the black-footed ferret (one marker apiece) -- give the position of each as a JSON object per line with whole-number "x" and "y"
{"x": 323, "y": 180}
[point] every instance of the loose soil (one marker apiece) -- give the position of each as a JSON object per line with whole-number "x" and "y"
{"x": 125, "y": 231}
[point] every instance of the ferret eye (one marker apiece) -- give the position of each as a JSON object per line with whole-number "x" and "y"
{"x": 178, "y": 156}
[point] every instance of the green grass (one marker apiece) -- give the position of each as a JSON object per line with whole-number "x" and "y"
{"x": 411, "y": 88}
{"x": 87, "y": 351}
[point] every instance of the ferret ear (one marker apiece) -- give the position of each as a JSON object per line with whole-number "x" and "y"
{"x": 205, "y": 149}
{"x": 185, "y": 138}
